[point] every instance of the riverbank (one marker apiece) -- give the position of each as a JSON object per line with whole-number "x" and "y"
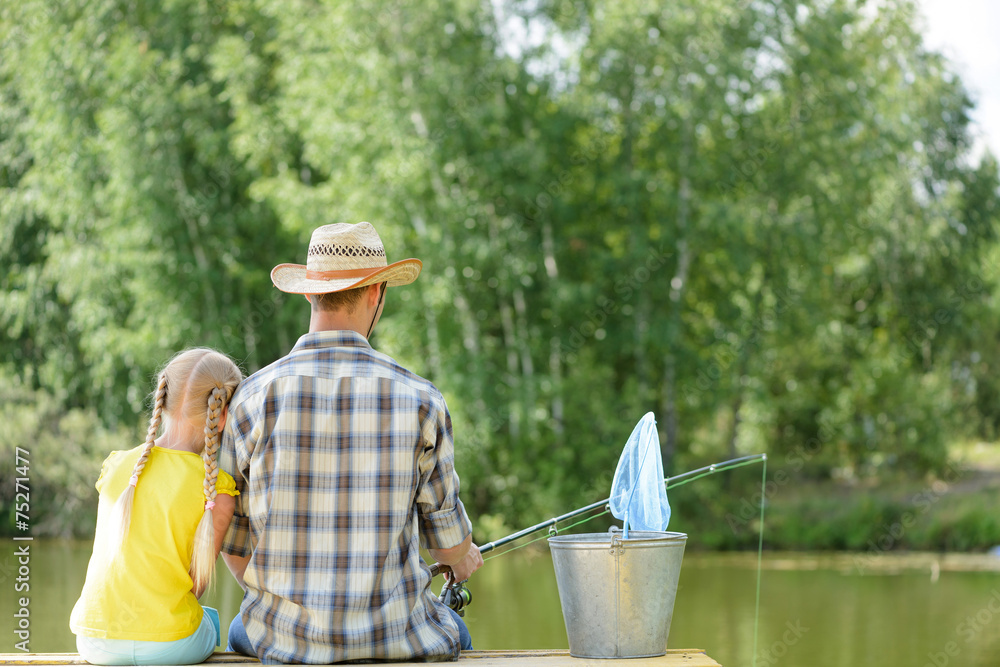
{"x": 805, "y": 510}
{"x": 954, "y": 512}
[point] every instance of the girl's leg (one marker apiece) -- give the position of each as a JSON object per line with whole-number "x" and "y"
{"x": 213, "y": 615}
{"x": 106, "y": 651}
{"x": 191, "y": 650}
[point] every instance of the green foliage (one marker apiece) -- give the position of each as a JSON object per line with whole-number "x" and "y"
{"x": 759, "y": 221}
{"x": 907, "y": 515}
{"x": 61, "y": 451}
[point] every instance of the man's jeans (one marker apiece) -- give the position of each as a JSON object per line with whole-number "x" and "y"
{"x": 464, "y": 636}
{"x": 239, "y": 642}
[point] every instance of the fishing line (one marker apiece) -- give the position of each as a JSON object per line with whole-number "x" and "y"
{"x": 672, "y": 483}
{"x": 552, "y": 530}
{"x": 714, "y": 468}
{"x": 760, "y": 552}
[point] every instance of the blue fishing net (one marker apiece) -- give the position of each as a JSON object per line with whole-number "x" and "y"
{"x": 638, "y": 492}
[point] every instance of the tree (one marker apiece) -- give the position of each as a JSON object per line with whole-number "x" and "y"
{"x": 757, "y": 220}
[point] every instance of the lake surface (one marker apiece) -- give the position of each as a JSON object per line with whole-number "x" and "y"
{"x": 816, "y": 610}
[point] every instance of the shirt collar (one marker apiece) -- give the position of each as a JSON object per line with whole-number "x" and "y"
{"x": 323, "y": 339}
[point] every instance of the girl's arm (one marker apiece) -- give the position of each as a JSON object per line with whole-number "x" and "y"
{"x": 235, "y": 564}
{"x": 222, "y": 514}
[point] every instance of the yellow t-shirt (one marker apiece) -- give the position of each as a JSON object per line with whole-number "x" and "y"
{"x": 145, "y": 594}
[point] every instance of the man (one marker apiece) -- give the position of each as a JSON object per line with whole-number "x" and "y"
{"x": 344, "y": 462}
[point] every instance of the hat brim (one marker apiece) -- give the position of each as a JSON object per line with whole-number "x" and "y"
{"x": 291, "y": 278}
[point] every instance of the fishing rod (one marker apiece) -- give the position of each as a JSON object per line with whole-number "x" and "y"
{"x": 457, "y": 596}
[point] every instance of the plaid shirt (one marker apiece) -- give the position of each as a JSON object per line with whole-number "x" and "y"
{"x": 344, "y": 462}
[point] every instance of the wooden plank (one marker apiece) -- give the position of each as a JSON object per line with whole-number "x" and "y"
{"x": 550, "y": 658}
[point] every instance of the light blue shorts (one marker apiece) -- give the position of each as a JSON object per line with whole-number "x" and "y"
{"x": 191, "y": 650}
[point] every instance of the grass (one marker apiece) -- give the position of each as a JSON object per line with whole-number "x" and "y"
{"x": 956, "y": 513}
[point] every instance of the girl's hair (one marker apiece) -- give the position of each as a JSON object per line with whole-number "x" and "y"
{"x": 195, "y": 385}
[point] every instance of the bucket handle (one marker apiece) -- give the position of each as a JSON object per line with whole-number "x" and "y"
{"x": 616, "y": 543}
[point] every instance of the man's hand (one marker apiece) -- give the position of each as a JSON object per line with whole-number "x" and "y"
{"x": 462, "y": 560}
{"x": 463, "y": 569}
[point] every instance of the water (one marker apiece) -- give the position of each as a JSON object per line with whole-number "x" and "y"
{"x": 816, "y": 611}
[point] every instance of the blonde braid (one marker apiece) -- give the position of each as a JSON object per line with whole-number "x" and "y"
{"x": 203, "y": 555}
{"x": 216, "y": 402}
{"x": 122, "y": 514}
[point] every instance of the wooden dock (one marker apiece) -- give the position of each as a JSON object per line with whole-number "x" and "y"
{"x": 687, "y": 657}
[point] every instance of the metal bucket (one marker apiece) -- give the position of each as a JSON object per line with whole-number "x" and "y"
{"x": 617, "y": 595}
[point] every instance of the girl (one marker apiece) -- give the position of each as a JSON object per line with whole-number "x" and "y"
{"x": 164, "y": 509}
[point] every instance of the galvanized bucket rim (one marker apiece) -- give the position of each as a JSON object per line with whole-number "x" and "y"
{"x": 636, "y": 538}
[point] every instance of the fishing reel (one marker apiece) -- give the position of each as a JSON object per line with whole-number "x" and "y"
{"x": 456, "y": 596}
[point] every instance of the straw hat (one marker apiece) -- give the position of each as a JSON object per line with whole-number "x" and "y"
{"x": 344, "y": 256}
